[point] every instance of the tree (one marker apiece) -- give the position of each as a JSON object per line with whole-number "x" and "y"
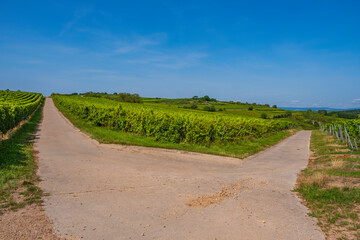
{"x": 206, "y": 98}
{"x": 322, "y": 112}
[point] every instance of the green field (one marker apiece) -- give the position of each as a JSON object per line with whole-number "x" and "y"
{"x": 194, "y": 124}
{"x": 16, "y": 107}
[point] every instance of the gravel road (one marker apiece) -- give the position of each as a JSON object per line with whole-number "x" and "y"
{"x": 104, "y": 191}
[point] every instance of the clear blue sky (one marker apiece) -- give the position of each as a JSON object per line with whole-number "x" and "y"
{"x": 289, "y": 53}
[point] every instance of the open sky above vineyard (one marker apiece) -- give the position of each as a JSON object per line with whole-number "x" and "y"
{"x": 289, "y": 53}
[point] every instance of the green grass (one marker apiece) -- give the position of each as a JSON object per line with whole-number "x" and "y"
{"x": 345, "y": 196}
{"x": 17, "y": 167}
{"x": 335, "y": 207}
{"x": 240, "y": 150}
{"x": 343, "y": 173}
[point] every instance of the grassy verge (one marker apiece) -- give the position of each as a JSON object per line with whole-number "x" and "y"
{"x": 241, "y": 150}
{"x": 17, "y": 167}
{"x": 330, "y": 187}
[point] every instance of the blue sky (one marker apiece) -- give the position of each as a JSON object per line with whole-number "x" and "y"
{"x": 289, "y": 53}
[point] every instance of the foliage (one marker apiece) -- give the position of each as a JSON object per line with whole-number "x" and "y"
{"x": 193, "y": 106}
{"x": 352, "y": 127}
{"x": 285, "y": 115}
{"x": 209, "y": 108}
{"x": 205, "y": 98}
{"x": 243, "y": 149}
{"x": 168, "y": 125}
{"x": 264, "y": 116}
{"x": 126, "y": 97}
{"x": 17, "y": 166}
{"x": 16, "y": 107}
{"x": 121, "y": 97}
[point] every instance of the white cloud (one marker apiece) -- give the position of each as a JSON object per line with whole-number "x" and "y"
{"x": 79, "y": 14}
{"x": 170, "y": 60}
{"x": 295, "y": 101}
{"x": 356, "y": 100}
{"x": 139, "y": 43}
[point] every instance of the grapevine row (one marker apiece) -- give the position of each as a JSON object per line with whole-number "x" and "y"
{"x": 16, "y": 107}
{"x": 167, "y": 125}
{"x": 346, "y": 131}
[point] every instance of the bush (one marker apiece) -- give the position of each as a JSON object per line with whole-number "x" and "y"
{"x": 127, "y": 97}
{"x": 264, "y": 116}
{"x": 251, "y": 108}
{"x": 193, "y": 106}
{"x": 209, "y": 108}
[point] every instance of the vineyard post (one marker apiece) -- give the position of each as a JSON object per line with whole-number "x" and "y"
{"x": 352, "y": 147}
{"x": 346, "y": 139}
{"x": 337, "y": 136}
{"x": 223, "y": 133}
{"x": 239, "y": 130}
{"x": 356, "y": 146}
{"x": 341, "y": 134}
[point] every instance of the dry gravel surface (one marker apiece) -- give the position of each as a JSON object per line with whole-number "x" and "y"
{"x": 103, "y": 191}
{"x": 26, "y": 223}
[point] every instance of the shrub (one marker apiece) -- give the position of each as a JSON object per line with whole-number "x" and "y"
{"x": 193, "y": 106}
{"x": 264, "y": 116}
{"x": 209, "y": 108}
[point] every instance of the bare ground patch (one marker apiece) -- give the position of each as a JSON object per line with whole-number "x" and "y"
{"x": 225, "y": 193}
{"x": 340, "y": 182}
{"x": 26, "y": 223}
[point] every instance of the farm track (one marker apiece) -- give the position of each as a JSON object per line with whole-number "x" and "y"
{"x": 105, "y": 191}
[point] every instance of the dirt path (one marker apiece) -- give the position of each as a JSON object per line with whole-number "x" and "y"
{"x": 102, "y": 191}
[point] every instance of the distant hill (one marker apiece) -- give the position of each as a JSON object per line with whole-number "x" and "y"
{"x": 354, "y": 111}
{"x": 350, "y": 110}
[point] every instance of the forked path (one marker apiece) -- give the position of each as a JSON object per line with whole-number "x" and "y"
{"x": 100, "y": 191}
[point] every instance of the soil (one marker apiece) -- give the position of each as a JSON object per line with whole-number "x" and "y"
{"x": 29, "y": 222}
{"x": 340, "y": 182}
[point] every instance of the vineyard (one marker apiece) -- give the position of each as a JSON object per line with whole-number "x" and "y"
{"x": 16, "y": 107}
{"x": 168, "y": 125}
{"x": 346, "y": 131}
